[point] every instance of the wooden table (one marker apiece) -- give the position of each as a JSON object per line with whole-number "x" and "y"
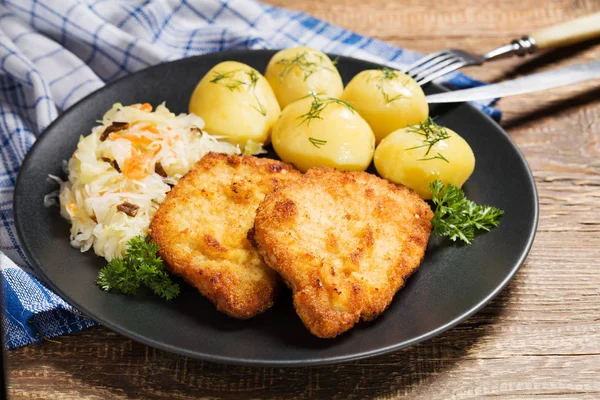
{"x": 540, "y": 338}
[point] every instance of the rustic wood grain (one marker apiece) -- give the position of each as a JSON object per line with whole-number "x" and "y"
{"x": 540, "y": 338}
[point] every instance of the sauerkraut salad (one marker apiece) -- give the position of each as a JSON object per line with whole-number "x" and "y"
{"x": 122, "y": 171}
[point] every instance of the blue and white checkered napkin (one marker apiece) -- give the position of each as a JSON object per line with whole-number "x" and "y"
{"x": 54, "y": 52}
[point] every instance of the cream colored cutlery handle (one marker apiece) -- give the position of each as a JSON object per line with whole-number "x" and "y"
{"x": 567, "y": 33}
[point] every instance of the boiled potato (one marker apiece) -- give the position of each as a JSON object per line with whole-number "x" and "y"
{"x": 387, "y": 99}
{"x": 296, "y": 72}
{"x": 236, "y": 101}
{"x": 416, "y": 156}
{"x": 323, "y": 131}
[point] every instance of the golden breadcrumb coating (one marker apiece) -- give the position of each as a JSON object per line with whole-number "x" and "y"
{"x": 344, "y": 242}
{"x": 202, "y": 225}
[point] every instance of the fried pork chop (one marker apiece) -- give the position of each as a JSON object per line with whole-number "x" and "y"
{"x": 202, "y": 225}
{"x": 344, "y": 242}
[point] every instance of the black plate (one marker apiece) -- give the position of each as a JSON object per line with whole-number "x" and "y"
{"x": 453, "y": 283}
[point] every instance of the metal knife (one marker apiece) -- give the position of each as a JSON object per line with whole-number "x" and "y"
{"x": 527, "y": 84}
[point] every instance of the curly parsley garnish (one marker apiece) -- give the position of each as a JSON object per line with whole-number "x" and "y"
{"x": 303, "y": 62}
{"x": 231, "y": 81}
{"x": 457, "y": 217}
{"x": 432, "y": 133}
{"x": 318, "y": 105}
{"x": 141, "y": 265}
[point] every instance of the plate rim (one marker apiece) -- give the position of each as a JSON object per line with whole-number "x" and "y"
{"x": 264, "y": 362}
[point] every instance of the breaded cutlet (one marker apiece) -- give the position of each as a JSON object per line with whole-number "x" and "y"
{"x": 202, "y": 225}
{"x": 344, "y": 242}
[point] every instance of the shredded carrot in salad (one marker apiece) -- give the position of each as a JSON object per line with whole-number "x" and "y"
{"x": 140, "y": 164}
{"x": 133, "y": 138}
{"x": 72, "y": 207}
{"x": 146, "y": 107}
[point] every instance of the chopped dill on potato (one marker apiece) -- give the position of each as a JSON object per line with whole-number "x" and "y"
{"x": 317, "y": 142}
{"x": 432, "y": 133}
{"x": 318, "y": 105}
{"x": 382, "y": 76}
{"x": 438, "y": 156}
{"x": 229, "y": 80}
{"x": 302, "y": 62}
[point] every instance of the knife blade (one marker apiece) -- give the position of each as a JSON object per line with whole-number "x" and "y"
{"x": 532, "y": 83}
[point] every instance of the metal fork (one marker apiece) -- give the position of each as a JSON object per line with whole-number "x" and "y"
{"x": 443, "y": 62}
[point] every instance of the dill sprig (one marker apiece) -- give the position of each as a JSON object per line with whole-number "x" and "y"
{"x": 438, "y": 156}
{"x": 432, "y": 133}
{"x": 231, "y": 81}
{"x": 317, "y": 142}
{"x": 304, "y": 64}
{"x": 318, "y": 105}
{"x": 385, "y": 75}
{"x": 227, "y": 79}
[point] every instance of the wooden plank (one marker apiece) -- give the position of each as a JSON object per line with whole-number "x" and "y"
{"x": 443, "y": 18}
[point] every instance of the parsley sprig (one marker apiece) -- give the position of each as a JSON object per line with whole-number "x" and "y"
{"x": 141, "y": 265}
{"x": 457, "y": 217}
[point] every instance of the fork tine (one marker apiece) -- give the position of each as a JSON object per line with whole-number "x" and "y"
{"x": 443, "y": 71}
{"x": 435, "y": 68}
{"x": 422, "y": 61}
{"x": 431, "y": 64}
